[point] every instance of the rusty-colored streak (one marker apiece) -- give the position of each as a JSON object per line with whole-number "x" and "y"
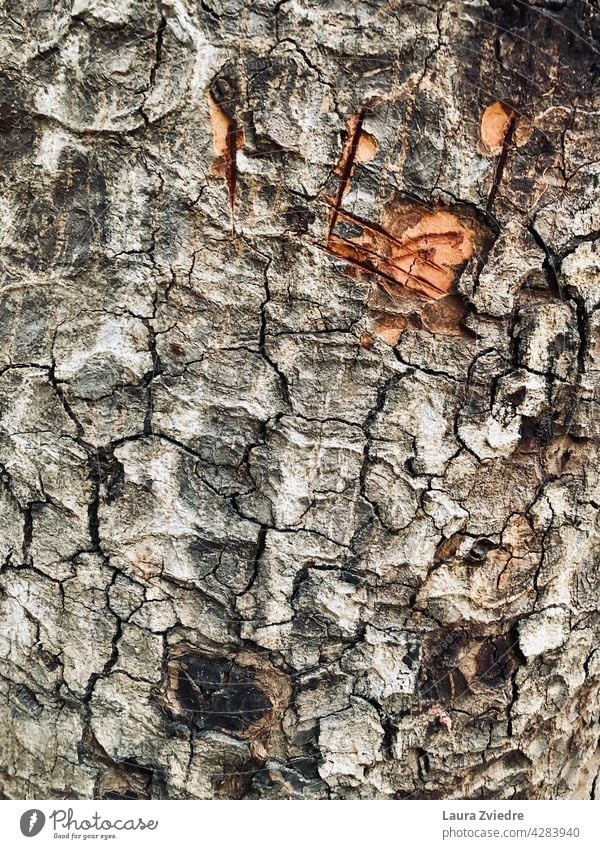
{"x": 365, "y": 265}
{"x": 501, "y": 163}
{"x": 227, "y": 140}
{"x": 420, "y": 281}
{"x": 410, "y": 246}
{"x": 375, "y": 228}
{"x": 422, "y": 257}
{"x": 346, "y": 164}
{"x": 372, "y": 226}
{"x": 231, "y": 162}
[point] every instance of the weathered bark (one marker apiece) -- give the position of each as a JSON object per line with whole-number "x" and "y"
{"x": 299, "y": 399}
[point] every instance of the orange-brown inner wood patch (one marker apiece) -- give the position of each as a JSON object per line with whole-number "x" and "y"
{"x": 423, "y": 257}
{"x": 411, "y": 248}
{"x": 445, "y": 316}
{"x": 496, "y": 123}
{"x": 227, "y": 140}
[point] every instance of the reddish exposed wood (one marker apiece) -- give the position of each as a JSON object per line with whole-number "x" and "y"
{"x": 227, "y": 140}
{"x": 495, "y": 123}
{"x": 423, "y": 258}
{"x": 346, "y": 164}
{"x": 411, "y": 247}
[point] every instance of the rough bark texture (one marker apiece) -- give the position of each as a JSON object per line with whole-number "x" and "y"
{"x": 299, "y": 399}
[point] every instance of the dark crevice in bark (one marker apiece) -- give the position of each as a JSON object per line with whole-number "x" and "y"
{"x": 501, "y": 163}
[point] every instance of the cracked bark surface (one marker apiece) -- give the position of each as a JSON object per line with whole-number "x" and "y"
{"x": 299, "y": 384}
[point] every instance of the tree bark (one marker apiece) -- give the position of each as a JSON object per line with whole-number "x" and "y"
{"x": 299, "y": 399}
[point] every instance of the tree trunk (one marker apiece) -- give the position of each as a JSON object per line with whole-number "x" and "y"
{"x": 298, "y": 399}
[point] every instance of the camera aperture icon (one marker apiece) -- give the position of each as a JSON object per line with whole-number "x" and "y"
{"x": 32, "y": 822}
